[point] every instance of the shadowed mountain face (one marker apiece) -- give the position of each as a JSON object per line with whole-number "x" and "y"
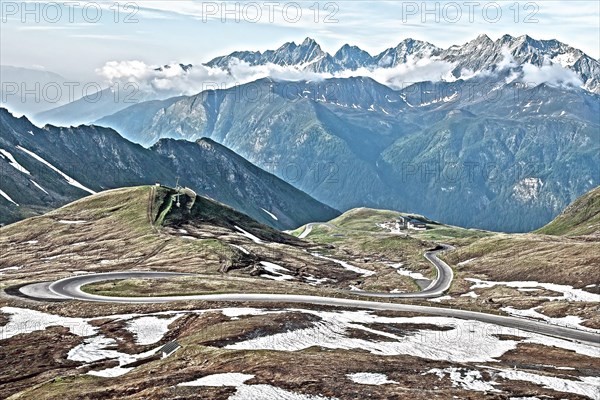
{"x": 479, "y": 153}
{"x": 45, "y": 168}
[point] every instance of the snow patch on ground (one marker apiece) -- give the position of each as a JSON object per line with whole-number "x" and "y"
{"x": 248, "y": 392}
{"x": 314, "y": 281}
{"x": 473, "y": 380}
{"x": 568, "y": 292}
{"x": 345, "y": 265}
{"x": 188, "y": 237}
{"x": 71, "y": 222}
{"x": 13, "y": 163}
{"x": 464, "y": 378}
{"x": 268, "y": 392}
{"x": 3, "y": 270}
{"x": 406, "y": 272}
{"x": 249, "y": 235}
{"x": 470, "y": 294}
{"x": 240, "y": 312}
{"x": 150, "y": 329}
{"x": 38, "y": 186}
{"x": 240, "y": 248}
{"x": 367, "y": 378}
{"x": 470, "y": 260}
{"x": 96, "y": 349}
{"x": 276, "y": 271}
{"x": 585, "y": 386}
{"x": 111, "y": 372}
{"x": 465, "y": 341}
{"x": 69, "y": 180}
{"x": 23, "y": 320}
{"x": 270, "y": 214}
{"x": 218, "y": 380}
{"x": 7, "y": 197}
{"x": 571, "y": 321}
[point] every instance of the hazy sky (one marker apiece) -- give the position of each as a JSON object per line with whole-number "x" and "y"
{"x": 78, "y": 38}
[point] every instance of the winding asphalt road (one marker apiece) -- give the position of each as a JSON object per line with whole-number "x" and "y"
{"x": 438, "y": 286}
{"x": 70, "y": 288}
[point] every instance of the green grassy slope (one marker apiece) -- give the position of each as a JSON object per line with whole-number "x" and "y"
{"x": 582, "y": 217}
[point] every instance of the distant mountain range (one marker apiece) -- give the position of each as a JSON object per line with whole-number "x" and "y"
{"x": 480, "y": 54}
{"x": 516, "y": 159}
{"x": 46, "y": 168}
{"x": 30, "y": 91}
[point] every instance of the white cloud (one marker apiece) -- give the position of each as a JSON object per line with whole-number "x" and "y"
{"x": 175, "y": 81}
{"x": 507, "y": 61}
{"x": 403, "y": 75}
{"x": 554, "y": 75}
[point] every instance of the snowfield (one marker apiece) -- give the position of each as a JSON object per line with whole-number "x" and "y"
{"x": 586, "y": 386}
{"x": 276, "y": 270}
{"x": 345, "y": 265}
{"x": 464, "y": 378}
{"x": 465, "y": 341}
{"x": 38, "y": 186}
{"x": 249, "y": 235}
{"x": 270, "y": 214}
{"x": 406, "y": 272}
{"x": 568, "y": 292}
{"x": 71, "y": 222}
{"x": 461, "y": 341}
{"x": 367, "y": 378}
{"x": 7, "y": 197}
{"x": 571, "y": 321}
{"x": 217, "y": 380}
{"x": 69, "y": 180}
{"x": 150, "y": 329}
{"x": 248, "y": 392}
{"x": 23, "y": 320}
{"x": 240, "y": 248}
{"x": 13, "y": 163}
{"x": 473, "y": 380}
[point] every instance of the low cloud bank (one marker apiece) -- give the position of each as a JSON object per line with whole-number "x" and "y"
{"x": 174, "y": 80}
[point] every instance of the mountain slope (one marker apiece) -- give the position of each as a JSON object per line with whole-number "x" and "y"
{"x": 46, "y": 168}
{"x": 222, "y": 174}
{"x": 91, "y": 107}
{"x": 30, "y": 91}
{"x": 429, "y": 148}
{"x": 582, "y": 217}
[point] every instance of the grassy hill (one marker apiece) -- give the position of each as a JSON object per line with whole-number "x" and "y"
{"x": 135, "y": 228}
{"x": 152, "y": 228}
{"x": 582, "y": 217}
{"x": 364, "y": 220}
